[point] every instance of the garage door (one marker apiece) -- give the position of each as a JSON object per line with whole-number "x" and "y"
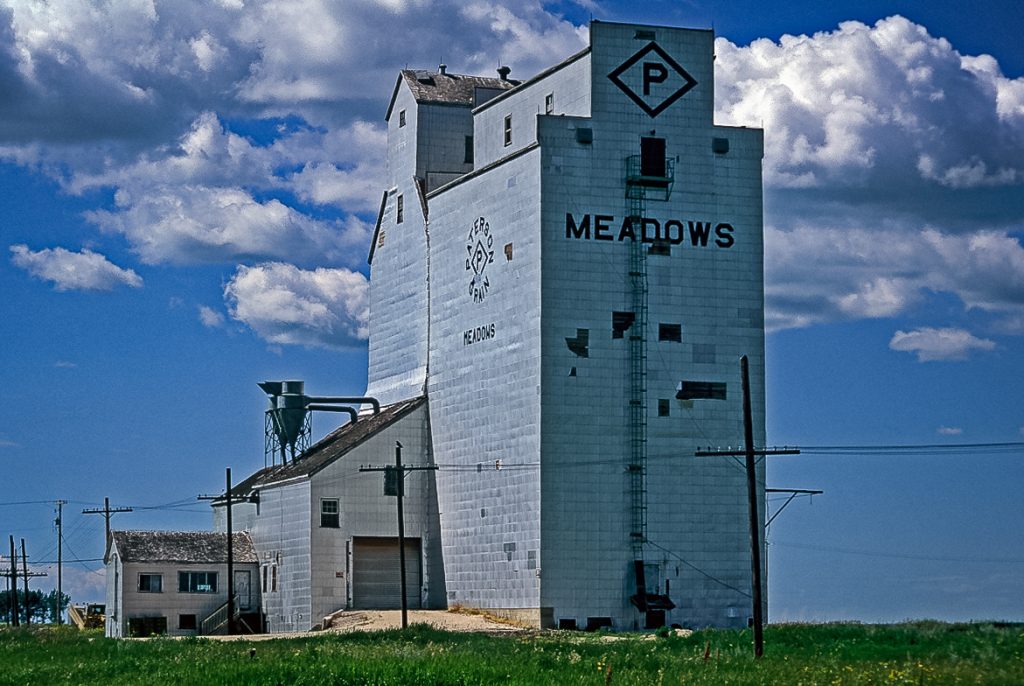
{"x": 376, "y": 580}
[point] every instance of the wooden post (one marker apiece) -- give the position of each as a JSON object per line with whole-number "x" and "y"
{"x": 755, "y": 525}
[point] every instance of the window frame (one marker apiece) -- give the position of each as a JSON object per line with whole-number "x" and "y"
{"x": 150, "y": 575}
{"x": 193, "y": 575}
{"x": 508, "y": 130}
{"x": 401, "y": 118}
{"x": 324, "y": 502}
{"x": 549, "y": 103}
{"x": 400, "y": 209}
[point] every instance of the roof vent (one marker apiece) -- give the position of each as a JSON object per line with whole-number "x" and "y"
{"x": 442, "y": 68}
{"x": 503, "y": 72}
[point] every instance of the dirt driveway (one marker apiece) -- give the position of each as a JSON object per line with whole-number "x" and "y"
{"x": 379, "y": 620}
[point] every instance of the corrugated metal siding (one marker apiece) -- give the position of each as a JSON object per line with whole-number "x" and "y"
{"x": 376, "y": 576}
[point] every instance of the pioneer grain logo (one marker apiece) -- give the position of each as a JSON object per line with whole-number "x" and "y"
{"x": 479, "y": 254}
{"x": 652, "y": 79}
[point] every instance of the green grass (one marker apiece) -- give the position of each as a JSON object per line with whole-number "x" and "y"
{"x": 919, "y": 653}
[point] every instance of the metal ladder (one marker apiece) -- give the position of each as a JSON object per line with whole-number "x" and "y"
{"x": 636, "y": 195}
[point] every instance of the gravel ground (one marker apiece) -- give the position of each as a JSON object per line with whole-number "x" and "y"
{"x": 378, "y": 620}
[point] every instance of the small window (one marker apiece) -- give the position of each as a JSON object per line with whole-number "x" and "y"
{"x": 400, "y": 210}
{"x": 701, "y": 390}
{"x": 264, "y": 586}
{"x": 549, "y": 103}
{"x": 197, "y": 582}
{"x": 273, "y": 579}
{"x": 187, "y": 622}
{"x": 329, "y": 513}
{"x": 401, "y": 119}
{"x": 663, "y": 407}
{"x": 508, "y": 130}
{"x": 151, "y": 583}
{"x": 621, "y": 321}
{"x": 579, "y": 344}
{"x": 670, "y": 332}
{"x": 468, "y": 158}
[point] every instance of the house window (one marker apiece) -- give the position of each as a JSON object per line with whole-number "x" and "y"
{"x": 663, "y": 407}
{"x": 264, "y": 586}
{"x": 141, "y": 627}
{"x": 151, "y": 583}
{"x": 329, "y": 513}
{"x": 508, "y": 130}
{"x": 273, "y": 579}
{"x": 197, "y": 582}
{"x": 401, "y": 118}
{"x": 400, "y": 210}
{"x": 468, "y": 158}
{"x": 549, "y": 103}
{"x": 187, "y": 622}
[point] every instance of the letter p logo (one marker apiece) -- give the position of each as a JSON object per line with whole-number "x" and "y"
{"x": 654, "y": 72}
{"x": 652, "y": 79}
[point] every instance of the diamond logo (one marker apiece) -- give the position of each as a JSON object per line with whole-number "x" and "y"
{"x": 652, "y": 79}
{"x": 479, "y": 254}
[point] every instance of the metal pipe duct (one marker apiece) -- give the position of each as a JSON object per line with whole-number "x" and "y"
{"x": 335, "y": 408}
{"x": 338, "y": 399}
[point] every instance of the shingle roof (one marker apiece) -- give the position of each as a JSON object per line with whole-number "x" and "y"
{"x": 182, "y": 546}
{"x": 340, "y": 441}
{"x": 451, "y": 89}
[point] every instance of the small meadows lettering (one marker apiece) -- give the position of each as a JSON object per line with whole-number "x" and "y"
{"x": 480, "y": 333}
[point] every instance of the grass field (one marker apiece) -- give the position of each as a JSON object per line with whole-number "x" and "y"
{"x": 919, "y": 653}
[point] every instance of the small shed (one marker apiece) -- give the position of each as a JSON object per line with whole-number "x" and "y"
{"x": 175, "y": 583}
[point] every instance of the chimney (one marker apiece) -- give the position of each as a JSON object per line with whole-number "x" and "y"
{"x": 442, "y": 68}
{"x": 503, "y": 72}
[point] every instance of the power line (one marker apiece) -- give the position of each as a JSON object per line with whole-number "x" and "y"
{"x": 902, "y": 556}
{"x": 923, "y": 448}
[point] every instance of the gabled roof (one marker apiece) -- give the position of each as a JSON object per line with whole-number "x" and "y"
{"x": 339, "y": 442}
{"x": 182, "y": 546}
{"x": 445, "y": 89}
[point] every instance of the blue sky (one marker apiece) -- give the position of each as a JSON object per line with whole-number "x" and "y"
{"x": 186, "y": 196}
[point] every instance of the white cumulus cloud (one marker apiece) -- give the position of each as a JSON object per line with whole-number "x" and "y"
{"x": 865, "y": 104}
{"x": 210, "y": 317}
{"x": 817, "y": 273}
{"x": 283, "y": 304}
{"x": 73, "y": 271}
{"x": 939, "y": 344}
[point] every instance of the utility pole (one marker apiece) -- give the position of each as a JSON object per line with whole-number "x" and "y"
{"x": 14, "y": 586}
{"x": 60, "y": 559}
{"x": 231, "y": 565}
{"x": 24, "y": 569}
{"x": 755, "y": 522}
{"x": 26, "y": 574}
{"x": 397, "y": 474}
{"x": 106, "y": 512}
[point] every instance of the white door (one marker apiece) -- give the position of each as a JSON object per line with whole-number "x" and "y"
{"x": 243, "y": 589}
